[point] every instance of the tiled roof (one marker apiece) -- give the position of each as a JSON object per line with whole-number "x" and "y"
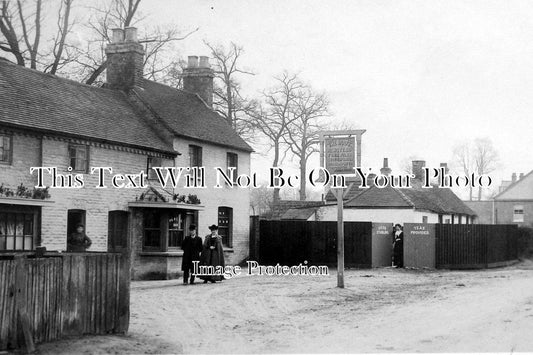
{"x": 438, "y": 200}
{"x": 524, "y": 180}
{"x": 35, "y": 100}
{"x": 299, "y": 213}
{"x": 351, "y": 191}
{"x": 187, "y": 115}
{"x": 283, "y": 206}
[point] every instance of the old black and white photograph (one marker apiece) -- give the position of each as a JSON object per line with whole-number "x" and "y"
{"x": 266, "y": 176}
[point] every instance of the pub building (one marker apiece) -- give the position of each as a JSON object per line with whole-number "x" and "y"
{"x": 130, "y": 124}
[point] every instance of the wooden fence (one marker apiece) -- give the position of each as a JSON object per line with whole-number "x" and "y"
{"x": 450, "y": 246}
{"x": 293, "y": 242}
{"x": 44, "y": 299}
{"x": 470, "y": 246}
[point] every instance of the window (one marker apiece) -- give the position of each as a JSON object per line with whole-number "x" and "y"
{"x": 164, "y": 230}
{"x": 195, "y": 156}
{"x": 18, "y": 229}
{"x": 79, "y": 157}
{"x": 5, "y": 149}
{"x": 152, "y": 162}
{"x": 175, "y": 229}
{"x": 152, "y": 230}
{"x": 447, "y": 221}
{"x": 232, "y": 162}
{"x": 117, "y": 232}
{"x": 518, "y": 213}
{"x": 225, "y": 225}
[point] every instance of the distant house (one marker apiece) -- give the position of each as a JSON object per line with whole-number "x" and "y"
{"x": 401, "y": 205}
{"x": 131, "y": 124}
{"x": 293, "y": 210}
{"x": 512, "y": 205}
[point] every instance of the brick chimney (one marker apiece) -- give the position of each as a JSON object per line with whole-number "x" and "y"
{"x": 513, "y": 177}
{"x": 418, "y": 169}
{"x": 385, "y": 170}
{"x": 125, "y": 57}
{"x": 198, "y": 78}
{"x": 521, "y": 176}
{"x": 445, "y": 166}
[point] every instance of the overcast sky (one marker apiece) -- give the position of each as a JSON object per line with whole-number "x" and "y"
{"x": 417, "y": 75}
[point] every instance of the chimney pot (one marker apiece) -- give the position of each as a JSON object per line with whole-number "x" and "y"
{"x": 513, "y": 177}
{"x": 124, "y": 60}
{"x": 198, "y": 79}
{"x": 130, "y": 34}
{"x": 192, "y": 61}
{"x": 385, "y": 170}
{"x": 118, "y": 35}
{"x": 204, "y": 62}
{"x": 521, "y": 176}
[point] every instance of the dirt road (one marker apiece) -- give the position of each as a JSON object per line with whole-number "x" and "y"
{"x": 380, "y": 310}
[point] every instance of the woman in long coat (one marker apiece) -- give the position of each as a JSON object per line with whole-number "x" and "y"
{"x": 397, "y": 245}
{"x": 213, "y": 254}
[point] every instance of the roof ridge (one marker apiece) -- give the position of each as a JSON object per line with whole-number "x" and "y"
{"x": 359, "y": 194}
{"x": 404, "y": 197}
{"x": 512, "y": 185}
{"x": 57, "y": 77}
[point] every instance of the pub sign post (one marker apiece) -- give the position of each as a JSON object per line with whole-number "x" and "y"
{"x": 337, "y": 155}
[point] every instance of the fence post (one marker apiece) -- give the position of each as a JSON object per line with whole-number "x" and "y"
{"x": 22, "y": 336}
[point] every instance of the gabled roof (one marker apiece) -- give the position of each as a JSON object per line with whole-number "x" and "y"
{"x": 352, "y": 190}
{"x": 299, "y": 213}
{"x": 34, "y": 100}
{"x": 521, "y": 189}
{"x": 438, "y": 200}
{"x": 188, "y": 116}
{"x": 283, "y": 206}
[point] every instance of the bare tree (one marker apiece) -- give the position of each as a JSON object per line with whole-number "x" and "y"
{"x": 406, "y": 164}
{"x": 485, "y": 158}
{"x": 302, "y": 133}
{"x": 261, "y": 201}
{"x": 464, "y": 161}
{"x": 21, "y": 27}
{"x": 274, "y": 116}
{"x": 32, "y": 44}
{"x": 228, "y": 100}
{"x": 160, "y": 63}
{"x": 13, "y": 21}
{"x": 64, "y": 27}
{"x": 477, "y": 156}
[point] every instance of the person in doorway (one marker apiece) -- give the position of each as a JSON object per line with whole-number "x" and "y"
{"x": 192, "y": 247}
{"x": 212, "y": 254}
{"x": 78, "y": 241}
{"x": 397, "y": 246}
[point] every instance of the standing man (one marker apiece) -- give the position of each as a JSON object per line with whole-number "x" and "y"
{"x": 192, "y": 247}
{"x": 78, "y": 241}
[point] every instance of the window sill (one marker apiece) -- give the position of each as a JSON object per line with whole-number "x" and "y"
{"x": 228, "y": 250}
{"x": 162, "y": 253}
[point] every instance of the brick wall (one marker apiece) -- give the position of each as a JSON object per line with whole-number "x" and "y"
{"x": 26, "y": 153}
{"x": 96, "y": 202}
{"x": 236, "y": 198}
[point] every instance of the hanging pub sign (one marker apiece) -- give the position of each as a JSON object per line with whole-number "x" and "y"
{"x": 339, "y": 154}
